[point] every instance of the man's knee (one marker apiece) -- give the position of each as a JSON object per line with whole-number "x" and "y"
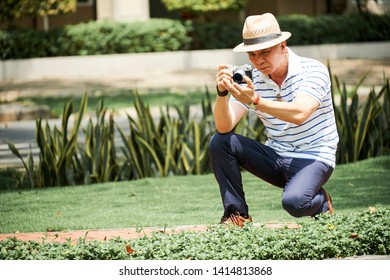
{"x": 293, "y": 204}
{"x": 218, "y": 141}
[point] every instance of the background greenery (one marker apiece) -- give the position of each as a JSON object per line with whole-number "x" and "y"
{"x": 158, "y": 35}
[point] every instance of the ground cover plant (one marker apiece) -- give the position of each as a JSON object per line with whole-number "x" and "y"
{"x": 361, "y": 233}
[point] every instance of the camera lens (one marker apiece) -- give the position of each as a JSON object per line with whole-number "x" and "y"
{"x": 238, "y": 76}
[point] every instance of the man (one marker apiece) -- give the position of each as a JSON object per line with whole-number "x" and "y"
{"x": 292, "y": 97}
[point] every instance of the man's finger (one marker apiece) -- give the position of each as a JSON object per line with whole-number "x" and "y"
{"x": 249, "y": 82}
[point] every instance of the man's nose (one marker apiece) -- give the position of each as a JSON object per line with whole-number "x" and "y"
{"x": 260, "y": 59}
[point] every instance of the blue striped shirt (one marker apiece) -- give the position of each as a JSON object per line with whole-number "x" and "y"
{"x": 317, "y": 137}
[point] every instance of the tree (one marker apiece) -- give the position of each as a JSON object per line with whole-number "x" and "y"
{"x": 204, "y": 6}
{"x": 12, "y": 10}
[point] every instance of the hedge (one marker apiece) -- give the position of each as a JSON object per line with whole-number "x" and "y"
{"x": 159, "y": 35}
{"x": 94, "y": 38}
{"x": 331, "y": 29}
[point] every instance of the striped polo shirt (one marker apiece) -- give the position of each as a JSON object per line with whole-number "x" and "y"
{"x": 317, "y": 137}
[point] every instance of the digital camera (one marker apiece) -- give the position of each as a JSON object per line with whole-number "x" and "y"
{"x": 239, "y": 72}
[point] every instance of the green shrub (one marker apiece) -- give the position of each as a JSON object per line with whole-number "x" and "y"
{"x": 203, "y": 6}
{"x": 27, "y": 44}
{"x": 331, "y": 29}
{"x": 338, "y": 236}
{"x": 168, "y": 146}
{"x": 171, "y": 146}
{"x": 214, "y": 35}
{"x": 155, "y": 35}
{"x": 363, "y": 127}
{"x": 10, "y": 178}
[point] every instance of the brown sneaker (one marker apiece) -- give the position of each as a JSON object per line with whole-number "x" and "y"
{"x": 329, "y": 199}
{"x": 235, "y": 219}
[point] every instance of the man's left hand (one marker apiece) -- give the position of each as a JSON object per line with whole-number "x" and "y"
{"x": 243, "y": 93}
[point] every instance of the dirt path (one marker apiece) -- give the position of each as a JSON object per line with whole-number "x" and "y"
{"x": 89, "y": 235}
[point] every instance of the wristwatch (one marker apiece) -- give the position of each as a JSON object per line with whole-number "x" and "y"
{"x": 253, "y": 105}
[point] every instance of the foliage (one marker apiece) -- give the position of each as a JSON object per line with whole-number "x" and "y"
{"x": 155, "y": 35}
{"x": 170, "y": 146}
{"x": 11, "y": 9}
{"x": 204, "y": 6}
{"x": 173, "y": 146}
{"x": 96, "y": 161}
{"x": 338, "y": 236}
{"x": 214, "y": 35}
{"x": 363, "y": 127}
{"x": 331, "y": 29}
{"x": 10, "y": 178}
{"x": 57, "y": 152}
{"x": 48, "y": 7}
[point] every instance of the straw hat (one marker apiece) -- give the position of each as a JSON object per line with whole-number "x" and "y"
{"x": 261, "y": 32}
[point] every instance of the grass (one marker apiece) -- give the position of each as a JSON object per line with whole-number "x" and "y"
{"x": 178, "y": 200}
{"x": 112, "y": 100}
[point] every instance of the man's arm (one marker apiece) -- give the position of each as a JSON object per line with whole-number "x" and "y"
{"x": 227, "y": 114}
{"x": 295, "y": 112}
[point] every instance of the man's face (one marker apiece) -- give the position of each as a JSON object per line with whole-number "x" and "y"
{"x": 267, "y": 60}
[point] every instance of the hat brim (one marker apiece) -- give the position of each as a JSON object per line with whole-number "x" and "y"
{"x": 256, "y": 47}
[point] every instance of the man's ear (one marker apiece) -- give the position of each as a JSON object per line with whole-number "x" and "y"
{"x": 283, "y": 46}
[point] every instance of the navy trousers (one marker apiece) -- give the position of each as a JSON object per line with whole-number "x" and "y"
{"x": 301, "y": 179}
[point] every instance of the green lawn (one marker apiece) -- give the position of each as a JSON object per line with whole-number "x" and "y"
{"x": 178, "y": 200}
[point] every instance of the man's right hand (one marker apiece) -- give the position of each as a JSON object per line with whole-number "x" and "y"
{"x": 223, "y": 77}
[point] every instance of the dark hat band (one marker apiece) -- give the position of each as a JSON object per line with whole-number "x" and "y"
{"x": 262, "y": 39}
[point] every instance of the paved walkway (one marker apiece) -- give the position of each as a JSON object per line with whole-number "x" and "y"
{"x": 348, "y": 71}
{"x": 106, "y": 234}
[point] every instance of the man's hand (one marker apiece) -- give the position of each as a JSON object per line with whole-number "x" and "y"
{"x": 243, "y": 93}
{"x": 222, "y": 75}
{"x": 226, "y": 114}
